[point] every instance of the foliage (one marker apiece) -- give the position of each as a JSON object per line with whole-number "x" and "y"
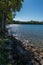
{"x": 9, "y": 6}
{"x": 3, "y": 55}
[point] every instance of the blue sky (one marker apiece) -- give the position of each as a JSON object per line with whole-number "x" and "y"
{"x": 32, "y": 10}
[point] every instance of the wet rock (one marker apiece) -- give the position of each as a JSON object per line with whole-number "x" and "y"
{"x": 41, "y": 61}
{"x": 37, "y": 53}
{"x": 41, "y": 54}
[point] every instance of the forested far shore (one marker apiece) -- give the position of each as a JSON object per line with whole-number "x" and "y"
{"x": 27, "y": 22}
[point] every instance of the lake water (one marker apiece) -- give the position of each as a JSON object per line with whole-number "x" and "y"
{"x": 32, "y": 33}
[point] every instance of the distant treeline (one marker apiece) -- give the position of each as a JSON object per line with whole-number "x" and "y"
{"x": 27, "y": 22}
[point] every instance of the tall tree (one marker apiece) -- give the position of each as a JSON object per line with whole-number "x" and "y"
{"x": 6, "y": 9}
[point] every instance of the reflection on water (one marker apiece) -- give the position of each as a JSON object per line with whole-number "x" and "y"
{"x": 28, "y": 32}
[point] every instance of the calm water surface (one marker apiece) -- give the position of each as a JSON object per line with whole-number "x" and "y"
{"x": 28, "y": 32}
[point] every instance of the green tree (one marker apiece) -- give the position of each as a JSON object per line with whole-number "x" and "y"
{"x": 6, "y": 9}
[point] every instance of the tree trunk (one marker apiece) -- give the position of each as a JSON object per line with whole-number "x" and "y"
{"x": 3, "y": 23}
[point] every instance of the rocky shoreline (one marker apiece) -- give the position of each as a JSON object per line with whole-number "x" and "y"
{"x": 19, "y": 53}
{"x": 37, "y": 51}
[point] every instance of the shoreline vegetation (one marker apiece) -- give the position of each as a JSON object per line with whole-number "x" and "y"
{"x": 27, "y": 22}
{"x": 18, "y": 51}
